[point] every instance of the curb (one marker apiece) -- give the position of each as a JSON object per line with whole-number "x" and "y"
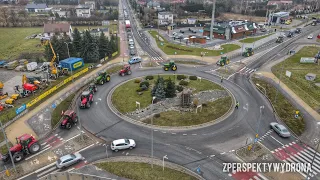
{"x": 136, "y": 122}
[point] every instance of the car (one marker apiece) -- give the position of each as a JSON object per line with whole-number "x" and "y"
{"x": 132, "y": 52}
{"x": 298, "y": 30}
{"x": 131, "y": 46}
{"x": 280, "y": 129}
{"x": 181, "y": 31}
{"x": 310, "y": 36}
{"x": 68, "y": 160}
{"x": 207, "y": 37}
{"x": 290, "y": 34}
{"x": 263, "y": 30}
{"x": 134, "y": 60}
{"x": 121, "y": 144}
{"x": 131, "y": 43}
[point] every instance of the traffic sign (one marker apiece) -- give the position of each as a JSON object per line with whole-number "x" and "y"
{"x": 255, "y": 140}
{"x": 257, "y": 135}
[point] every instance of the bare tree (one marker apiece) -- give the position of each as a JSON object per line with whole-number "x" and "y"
{"x": 4, "y": 16}
{"x": 13, "y": 18}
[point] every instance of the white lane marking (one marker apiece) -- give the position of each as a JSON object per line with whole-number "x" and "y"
{"x": 184, "y": 134}
{"x": 47, "y": 171}
{"x": 222, "y": 153}
{"x": 276, "y": 140}
{"x": 71, "y": 169}
{"x": 42, "y": 151}
{"x": 72, "y": 137}
{"x": 84, "y": 148}
{"x": 43, "y": 143}
{"x": 39, "y": 170}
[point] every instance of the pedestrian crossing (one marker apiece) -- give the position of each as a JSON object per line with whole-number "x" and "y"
{"x": 247, "y": 176}
{"x": 299, "y": 153}
{"x": 245, "y": 70}
{"x": 158, "y": 59}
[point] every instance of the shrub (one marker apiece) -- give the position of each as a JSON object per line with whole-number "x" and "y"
{"x": 146, "y": 83}
{"x": 181, "y": 49}
{"x": 157, "y": 115}
{"x": 204, "y": 105}
{"x": 149, "y": 77}
{"x": 139, "y": 90}
{"x": 179, "y": 77}
{"x": 144, "y": 87}
{"x": 137, "y": 80}
{"x": 179, "y": 88}
{"x": 193, "y": 77}
{"x": 183, "y": 83}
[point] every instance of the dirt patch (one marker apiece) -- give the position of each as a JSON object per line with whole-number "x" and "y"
{"x": 258, "y": 153}
{"x": 233, "y": 16}
{"x": 281, "y": 176}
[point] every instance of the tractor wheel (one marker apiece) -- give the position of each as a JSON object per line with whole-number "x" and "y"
{"x": 129, "y": 72}
{"x": 75, "y": 121}
{"x": 68, "y": 126}
{"x": 17, "y": 157}
{"x": 166, "y": 68}
{"x": 222, "y": 63}
{"x": 122, "y": 74}
{"x": 34, "y": 148}
{"x": 102, "y": 82}
{"x": 108, "y": 78}
{"x": 174, "y": 68}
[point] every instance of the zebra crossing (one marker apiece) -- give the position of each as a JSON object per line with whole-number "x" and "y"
{"x": 247, "y": 176}
{"x": 158, "y": 59}
{"x": 299, "y": 153}
{"x": 245, "y": 70}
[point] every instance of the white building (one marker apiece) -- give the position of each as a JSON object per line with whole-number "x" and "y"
{"x": 91, "y": 4}
{"x": 60, "y": 28}
{"x": 83, "y": 12}
{"x": 165, "y": 18}
{"x": 37, "y": 8}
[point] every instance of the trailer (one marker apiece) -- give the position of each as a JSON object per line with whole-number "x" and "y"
{"x": 32, "y": 66}
{"x": 72, "y": 63}
{"x": 127, "y": 24}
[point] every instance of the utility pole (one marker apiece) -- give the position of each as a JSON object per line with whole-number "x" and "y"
{"x": 153, "y": 98}
{"x": 212, "y": 18}
{"x": 5, "y": 138}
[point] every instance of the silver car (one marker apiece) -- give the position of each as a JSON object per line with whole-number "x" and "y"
{"x": 68, "y": 160}
{"x": 280, "y": 129}
{"x": 120, "y": 144}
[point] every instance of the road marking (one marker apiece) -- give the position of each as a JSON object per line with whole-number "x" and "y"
{"x": 43, "y": 143}
{"x": 73, "y": 137}
{"x": 173, "y": 133}
{"x": 39, "y": 170}
{"x": 194, "y": 134}
{"x": 71, "y": 169}
{"x": 164, "y": 132}
{"x": 38, "y": 153}
{"x": 277, "y": 140}
{"x": 84, "y": 148}
{"x": 184, "y": 134}
{"x": 45, "y": 172}
{"x": 232, "y": 150}
{"x": 222, "y": 153}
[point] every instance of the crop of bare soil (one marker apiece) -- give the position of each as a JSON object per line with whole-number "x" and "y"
{"x": 233, "y": 16}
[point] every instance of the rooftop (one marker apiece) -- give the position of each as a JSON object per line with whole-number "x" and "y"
{"x": 165, "y": 13}
{"x": 59, "y": 27}
{"x": 71, "y": 60}
{"x": 36, "y": 6}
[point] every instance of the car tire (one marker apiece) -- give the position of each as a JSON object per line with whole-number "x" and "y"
{"x": 116, "y": 150}
{"x": 130, "y": 147}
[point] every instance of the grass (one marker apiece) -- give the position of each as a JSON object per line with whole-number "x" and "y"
{"x": 306, "y": 90}
{"x": 184, "y": 50}
{"x": 284, "y": 108}
{"x": 125, "y": 96}
{"x": 63, "y": 106}
{"x": 114, "y": 69}
{"x": 143, "y": 171}
{"x": 210, "y": 112}
{"x": 189, "y": 62}
{"x": 254, "y": 39}
{"x": 4, "y": 149}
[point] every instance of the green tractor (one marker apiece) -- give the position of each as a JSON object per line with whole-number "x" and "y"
{"x": 248, "y": 52}
{"x": 223, "y": 61}
{"x": 171, "y": 65}
{"x": 102, "y": 78}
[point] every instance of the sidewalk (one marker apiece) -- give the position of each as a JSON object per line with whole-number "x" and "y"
{"x": 21, "y": 125}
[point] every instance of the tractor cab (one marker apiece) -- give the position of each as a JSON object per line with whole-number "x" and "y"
{"x": 248, "y": 52}
{"x": 279, "y": 39}
{"x": 69, "y": 118}
{"x": 223, "y": 61}
{"x": 126, "y": 70}
{"x": 93, "y": 88}
{"x": 86, "y": 99}
{"x": 171, "y": 65}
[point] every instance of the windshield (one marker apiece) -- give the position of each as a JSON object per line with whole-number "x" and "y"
{"x": 73, "y": 156}
{"x": 284, "y": 130}
{"x": 127, "y": 141}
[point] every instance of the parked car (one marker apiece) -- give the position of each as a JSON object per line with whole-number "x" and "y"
{"x": 290, "y": 34}
{"x": 120, "y": 144}
{"x": 131, "y": 46}
{"x": 134, "y": 60}
{"x": 68, "y": 160}
{"x": 192, "y": 30}
{"x": 181, "y": 31}
{"x": 132, "y": 52}
{"x": 310, "y": 36}
{"x": 280, "y": 129}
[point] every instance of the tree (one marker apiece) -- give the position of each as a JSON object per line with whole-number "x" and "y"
{"x": 77, "y": 41}
{"x": 170, "y": 89}
{"x": 4, "y": 15}
{"x": 160, "y": 90}
{"x": 90, "y": 49}
{"x": 13, "y": 17}
{"x": 153, "y": 92}
{"x": 103, "y": 46}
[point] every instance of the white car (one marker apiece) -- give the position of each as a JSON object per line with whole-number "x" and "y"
{"x": 207, "y": 37}
{"x": 131, "y": 46}
{"x": 68, "y": 160}
{"x": 310, "y": 36}
{"x": 280, "y": 129}
{"x": 120, "y": 144}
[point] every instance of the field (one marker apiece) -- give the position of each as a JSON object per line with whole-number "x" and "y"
{"x": 170, "y": 49}
{"x": 306, "y": 90}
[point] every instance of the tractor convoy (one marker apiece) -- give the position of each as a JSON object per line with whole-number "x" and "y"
{"x": 248, "y": 52}
{"x": 102, "y": 78}
{"x": 171, "y": 65}
{"x": 69, "y": 118}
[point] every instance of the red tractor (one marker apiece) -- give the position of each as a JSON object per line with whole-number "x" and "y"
{"x": 29, "y": 88}
{"x": 69, "y": 118}
{"x": 126, "y": 70}
{"x": 26, "y": 144}
{"x": 86, "y": 99}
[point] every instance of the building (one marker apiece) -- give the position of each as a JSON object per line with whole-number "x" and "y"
{"x": 91, "y": 4}
{"x": 83, "y": 12}
{"x": 278, "y": 17}
{"x": 37, "y": 8}
{"x": 61, "y": 29}
{"x": 153, "y": 5}
{"x": 191, "y": 21}
{"x": 97, "y": 32}
{"x": 165, "y": 18}
{"x": 279, "y": 4}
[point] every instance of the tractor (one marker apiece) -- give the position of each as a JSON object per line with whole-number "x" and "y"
{"x": 223, "y": 61}
{"x": 171, "y": 65}
{"x": 102, "y": 78}
{"x": 279, "y": 39}
{"x": 93, "y": 88}
{"x": 126, "y": 70}
{"x": 248, "y": 52}
{"x": 69, "y": 118}
{"x": 26, "y": 144}
{"x": 86, "y": 99}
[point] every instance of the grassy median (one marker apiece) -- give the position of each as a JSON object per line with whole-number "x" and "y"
{"x": 63, "y": 106}
{"x": 283, "y": 107}
{"x": 254, "y": 39}
{"x": 143, "y": 171}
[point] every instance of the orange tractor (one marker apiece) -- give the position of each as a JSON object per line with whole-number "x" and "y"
{"x": 26, "y": 144}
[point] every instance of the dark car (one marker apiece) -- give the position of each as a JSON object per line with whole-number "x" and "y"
{"x": 192, "y": 30}
{"x": 290, "y": 34}
{"x": 298, "y": 30}
{"x": 181, "y": 31}
{"x": 132, "y": 52}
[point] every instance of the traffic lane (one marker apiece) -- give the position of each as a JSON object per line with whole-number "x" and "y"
{"x": 273, "y": 141}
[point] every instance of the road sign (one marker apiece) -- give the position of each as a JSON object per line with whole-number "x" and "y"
{"x": 255, "y": 140}
{"x": 297, "y": 112}
{"x": 198, "y": 170}
{"x": 249, "y": 147}
{"x": 54, "y": 105}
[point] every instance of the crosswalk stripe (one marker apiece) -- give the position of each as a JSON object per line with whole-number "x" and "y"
{"x": 242, "y": 69}
{"x": 251, "y": 71}
{"x": 262, "y": 176}
{"x": 47, "y": 171}
{"x": 255, "y": 177}
{"x": 247, "y": 70}
{"x": 305, "y": 161}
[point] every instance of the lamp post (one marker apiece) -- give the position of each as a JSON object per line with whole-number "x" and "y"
{"x": 67, "y": 43}
{"x": 153, "y": 98}
{"x": 107, "y": 150}
{"x": 314, "y": 155}
{"x": 257, "y": 135}
{"x": 164, "y": 157}
{"x": 265, "y": 92}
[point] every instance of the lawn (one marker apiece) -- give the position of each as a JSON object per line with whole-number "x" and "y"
{"x": 254, "y": 39}
{"x": 4, "y": 149}
{"x": 170, "y": 49}
{"x": 125, "y": 96}
{"x": 284, "y": 108}
{"x": 306, "y": 90}
{"x": 142, "y": 171}
{"x": 210, "y": 112}
{"x": 63, "y": 106}
{"x": 189, "y": 62}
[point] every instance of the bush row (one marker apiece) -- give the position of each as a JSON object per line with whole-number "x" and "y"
{"x": 180, "y": 49}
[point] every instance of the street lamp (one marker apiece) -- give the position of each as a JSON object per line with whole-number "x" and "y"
{"x": 153, "y": 98}
{"x": 68, "y": 48}
{"x": 265, "y": 92}
{"x": 257, "y": 135}
{"x": 314, "y": 155}
{"x": 164, "y": 157}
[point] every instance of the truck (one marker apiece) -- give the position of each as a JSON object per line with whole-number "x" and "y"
{"x": 32, "y": 66}
{"x": 11, "y": 65}
{"x": 127, "y": 22}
